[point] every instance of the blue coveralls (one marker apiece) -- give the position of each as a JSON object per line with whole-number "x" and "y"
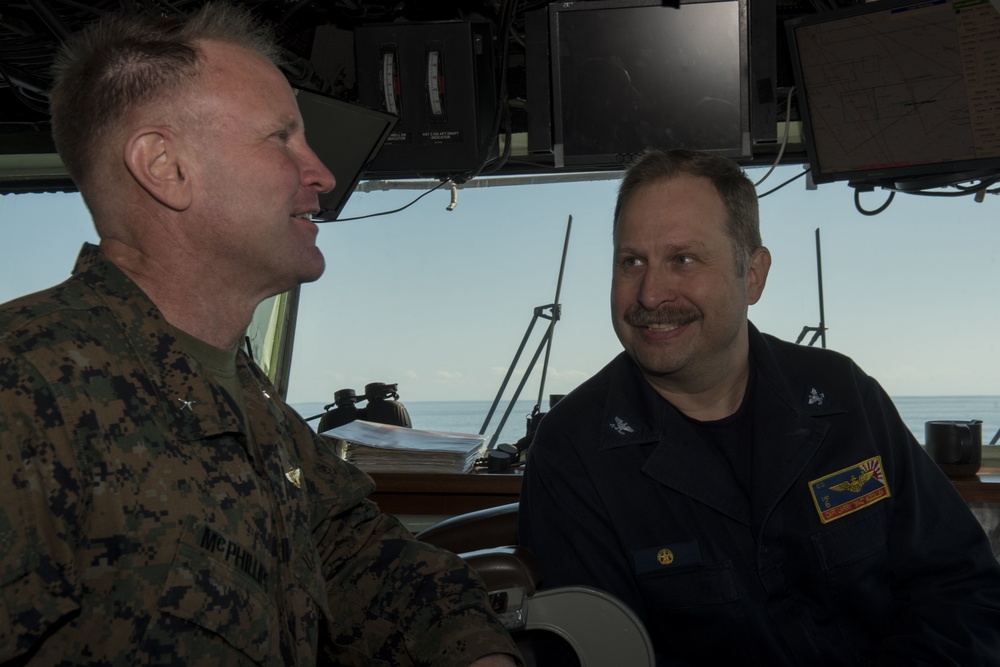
{"x": 853, "y": 547}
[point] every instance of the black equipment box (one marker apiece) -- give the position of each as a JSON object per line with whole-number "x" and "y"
{"x": 438, "y": 79}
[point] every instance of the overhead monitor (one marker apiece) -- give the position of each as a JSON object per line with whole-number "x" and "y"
{"x": 632, "y": 74}
{"x": 900, "y": 93}
{"x": 346, "y": 137}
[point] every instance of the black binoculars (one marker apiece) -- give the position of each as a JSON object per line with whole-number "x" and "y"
{"x": 383, "y": 407}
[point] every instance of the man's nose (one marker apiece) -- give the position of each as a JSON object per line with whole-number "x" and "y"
{"x": 315, "y": 174}
{"x": 658, "y": 286}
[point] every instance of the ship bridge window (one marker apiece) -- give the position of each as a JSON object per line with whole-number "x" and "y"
{"x": 438, "y": 297}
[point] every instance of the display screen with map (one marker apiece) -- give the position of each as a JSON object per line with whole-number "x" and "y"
{"x": 900, "y": 93}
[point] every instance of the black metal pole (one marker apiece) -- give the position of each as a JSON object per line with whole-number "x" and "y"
{"x": 819, "y": 274}
{"x": 556, "y": 312}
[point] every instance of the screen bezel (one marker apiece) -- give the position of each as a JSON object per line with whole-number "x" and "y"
{"x": 327, "y": 121}
{"x": 621, "y": 159}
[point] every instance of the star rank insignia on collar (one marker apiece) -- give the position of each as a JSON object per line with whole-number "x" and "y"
{"x": 187, "y": 404}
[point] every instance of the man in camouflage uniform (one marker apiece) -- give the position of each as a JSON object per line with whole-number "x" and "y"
{"x": 159, "y": 503}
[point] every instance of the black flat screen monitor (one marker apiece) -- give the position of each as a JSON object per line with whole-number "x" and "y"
{"x": 627, "y": 75}
{"x": 900, "y": 94}
{"x": 346, "y": 137}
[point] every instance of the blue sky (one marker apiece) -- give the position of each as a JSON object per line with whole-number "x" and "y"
{"x": 438, "y": 301}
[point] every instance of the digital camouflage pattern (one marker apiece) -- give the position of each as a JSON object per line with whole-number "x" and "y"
{"x": 140, "y": 525}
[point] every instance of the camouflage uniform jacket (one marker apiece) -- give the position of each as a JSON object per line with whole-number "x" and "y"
{"x": 139, "y": 524}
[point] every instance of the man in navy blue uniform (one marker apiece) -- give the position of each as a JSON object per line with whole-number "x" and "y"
{"x": 754, "y": 501}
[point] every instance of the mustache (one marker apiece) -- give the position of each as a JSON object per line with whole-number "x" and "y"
{"x": 670, "y": 316}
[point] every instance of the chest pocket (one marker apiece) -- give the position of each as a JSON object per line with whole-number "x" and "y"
{"x": 854, "y": 559}
{"x": 219, "y": 587}
{"x": 851, "y": 540}
{"x": 689, "y": 587}
{"x": 674, "y": 577}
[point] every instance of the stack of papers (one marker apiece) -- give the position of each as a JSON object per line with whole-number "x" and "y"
{"x": 386, "y": 448}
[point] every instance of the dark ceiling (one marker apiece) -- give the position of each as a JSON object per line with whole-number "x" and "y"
{"x": 31, "y": 30}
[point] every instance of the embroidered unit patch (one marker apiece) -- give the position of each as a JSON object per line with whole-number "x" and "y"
{"x": 849, "y": 490}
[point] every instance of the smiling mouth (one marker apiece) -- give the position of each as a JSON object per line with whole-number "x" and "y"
{"x": 654, "y": 326}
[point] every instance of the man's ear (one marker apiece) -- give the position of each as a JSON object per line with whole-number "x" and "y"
{"x": 756, "y": 278}
{"x": 153, "y": 157}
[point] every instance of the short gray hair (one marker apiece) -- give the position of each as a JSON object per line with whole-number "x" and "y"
{"x": 123, "y": 62}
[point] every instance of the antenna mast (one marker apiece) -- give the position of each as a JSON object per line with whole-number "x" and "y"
{"x": 818, "y": 331}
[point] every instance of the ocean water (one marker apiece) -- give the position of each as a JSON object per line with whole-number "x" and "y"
{"x": 915, "y": 410}
{"x": 468, "y": 416}
{"x": 455, "y": 416}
